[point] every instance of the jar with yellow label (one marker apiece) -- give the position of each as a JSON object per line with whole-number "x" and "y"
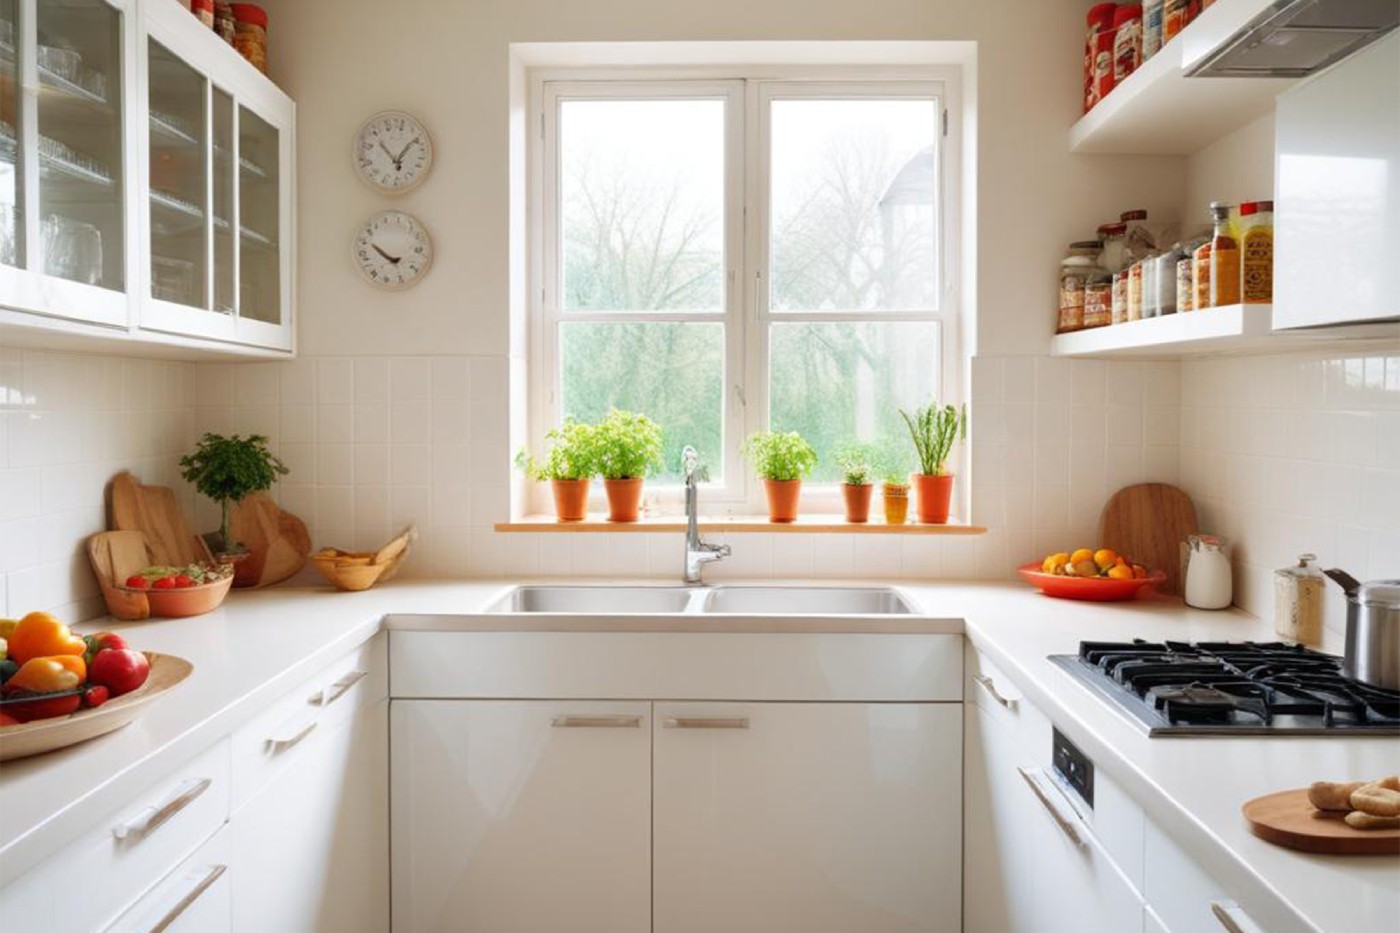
{"x": 1257, "y": 252}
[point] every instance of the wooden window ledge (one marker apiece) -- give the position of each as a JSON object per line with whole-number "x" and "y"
{"x": 737, "y": 524}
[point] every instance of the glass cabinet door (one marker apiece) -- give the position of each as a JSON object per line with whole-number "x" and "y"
{"x": 259, "y": 261}
{"x": 225, "y": 175}
{"x": 179, "y": 180}
{"x": 11, "y": 184}
{"x": 78, "y": 59}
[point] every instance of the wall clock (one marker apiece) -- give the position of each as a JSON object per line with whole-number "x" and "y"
{"x": 392, "y": 250}
{"x": 393, "y": 152}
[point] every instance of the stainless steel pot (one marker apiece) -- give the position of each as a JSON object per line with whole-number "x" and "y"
{"x": 1373, "y": 630}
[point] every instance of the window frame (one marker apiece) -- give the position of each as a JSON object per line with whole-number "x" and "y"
{"x": 747, "y": 317}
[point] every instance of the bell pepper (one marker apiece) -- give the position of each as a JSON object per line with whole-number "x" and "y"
{"x": 47, "y": 675}
{"x": 40, "y": 635}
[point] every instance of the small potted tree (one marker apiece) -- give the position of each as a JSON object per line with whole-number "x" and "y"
{"x": 568, "y": 467}
{"x": 226, "y": 469}
{"x": 780, "y": 460}
{"x": 626, "y": 447}
{"x": 934, "y": 430}
{"x": 856, "y": 470}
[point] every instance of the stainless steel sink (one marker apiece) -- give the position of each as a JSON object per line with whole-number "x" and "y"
{"x": 609, "y": 600}
{"x": 721, "y": 600}
{"x": 806, "y": 601}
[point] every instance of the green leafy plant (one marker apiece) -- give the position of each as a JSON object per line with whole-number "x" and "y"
{"x": 779, "y": 456}
{"x": 226, "y": 469}
{"x": 626, "y": 445}
{"x": 934, "y": 430}
{"x": 570, "y": 455}
{"x": 858, "y": 463}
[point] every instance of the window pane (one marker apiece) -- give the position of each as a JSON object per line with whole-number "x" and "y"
{"x": 853, "y": 211}
{"x": 642, "y": 205}
{"x": 673, "y": 373}
{"x": 843, "y": 383}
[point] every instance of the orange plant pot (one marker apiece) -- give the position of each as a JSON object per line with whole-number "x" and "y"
{"x": 624, "y": 499}
{"x": 782, "y": 499}
{"x": 570, "y": 499}
{"x": 935, "y": 494}
{"x": 896, "y": 504}
{"x": 857, "y": 502}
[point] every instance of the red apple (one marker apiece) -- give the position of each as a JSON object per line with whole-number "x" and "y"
{"x": 120, "y": 670}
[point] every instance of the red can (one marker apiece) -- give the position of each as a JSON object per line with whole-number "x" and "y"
{"x": 1099, "y": 21}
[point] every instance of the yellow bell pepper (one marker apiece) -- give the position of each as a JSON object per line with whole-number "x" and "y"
{"x": 40, "y": 635}
{"x": 47, "y": 675}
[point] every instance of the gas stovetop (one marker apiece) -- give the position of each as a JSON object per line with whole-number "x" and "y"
{"x": 1232, "y": 688}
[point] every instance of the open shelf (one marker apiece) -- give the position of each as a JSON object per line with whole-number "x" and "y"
{"x": 735, "y": 524}
{"x": 1157, "y": 110}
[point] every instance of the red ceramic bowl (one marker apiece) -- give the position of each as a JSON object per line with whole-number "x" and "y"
{"x": 1096, "y": 589}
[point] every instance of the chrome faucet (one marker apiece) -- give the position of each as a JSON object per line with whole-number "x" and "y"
{"x": 697, "y": 552}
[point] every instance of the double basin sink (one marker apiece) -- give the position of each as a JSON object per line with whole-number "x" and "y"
{"x": 718, "y": 600}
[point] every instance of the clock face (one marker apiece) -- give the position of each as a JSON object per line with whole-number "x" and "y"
{"x": 393, "y": 152}
{"x": 392, "y": 250}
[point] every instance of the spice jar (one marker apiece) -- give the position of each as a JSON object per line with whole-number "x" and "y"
{"x": 1224, "y": 259}
{"x": 1099, "y": 22}
{"x": 1200, "y": 276}
{"x": 1135, "y": 291}
{"x": 204, "y": 11}
{"x": 1098, "y": 299}
{"x": 1153, "y": 14}
{"x": 1120, "y": 297}
{"x": 1185, "y": 295}
{"x": 223, "y": 20}
{"x": 1176, "y": 14}
{"x": 1127, "y": 41}
{"x": 250, "y": 33}
{"x": 1298, "y": 601}
{"x": 1074, "y": 276}
{"x": 1161, "y": 292}
{"x": 1257, "y": 252}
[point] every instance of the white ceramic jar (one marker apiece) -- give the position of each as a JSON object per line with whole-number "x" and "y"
{"x": 1209, "y": 580}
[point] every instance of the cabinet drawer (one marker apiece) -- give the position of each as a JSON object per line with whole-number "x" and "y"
{"x": 90, "y": 882}
{"x": 669, "y": 665}
{"x": 988, "y": 687}
{"x": 194, "y": 898}
{"x": 283, "y": 732}
{"x": 1184, "y": 896}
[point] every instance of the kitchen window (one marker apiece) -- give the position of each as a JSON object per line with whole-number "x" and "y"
{"x": 730, "y": 256}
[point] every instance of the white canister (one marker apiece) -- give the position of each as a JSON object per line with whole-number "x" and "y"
{"x": 1298, "y": 601}
{"x": 1209, "y": 580}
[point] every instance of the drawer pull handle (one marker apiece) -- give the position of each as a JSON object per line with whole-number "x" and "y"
{"x": 1033, "y": 781}
{"x": 328, "y": 695}
{"x": 696, "y": 722}
{"x": 153, "y": 818}
{"x": 201, "y": 885}
{"x": 989, "y": 685}
{"x": 278, "y": 745}
{"x": 596, "y": 722}
{"x": 1233, "y": 918}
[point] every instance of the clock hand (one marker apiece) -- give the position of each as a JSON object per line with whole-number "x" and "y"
{"x": 407, "y": 146}
{"x": 393, "y": 259}
{"x": 394, "y": 158}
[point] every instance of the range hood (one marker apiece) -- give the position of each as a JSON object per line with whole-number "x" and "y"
{"x": 1294, "y": 38}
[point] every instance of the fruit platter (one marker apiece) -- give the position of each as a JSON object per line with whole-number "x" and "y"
{"x": 1100, "y": 575}
{"x": 58, "y": 688}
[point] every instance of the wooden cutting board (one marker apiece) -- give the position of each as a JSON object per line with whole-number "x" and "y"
{"x": 114, "y": 556}
{"x": 155, "y": 512}
{"x": 277, "y": 541}
{"x": 1148, "y": 522}
{"x": 1288, "y": 819}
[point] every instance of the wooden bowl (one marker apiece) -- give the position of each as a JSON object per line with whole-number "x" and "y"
{"x": 186, "y": 601}
{"x": 45, "y": 735}
{"x": 360, "y": 570}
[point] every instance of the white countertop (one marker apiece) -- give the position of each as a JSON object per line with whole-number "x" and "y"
{"x": 262, "y": 643}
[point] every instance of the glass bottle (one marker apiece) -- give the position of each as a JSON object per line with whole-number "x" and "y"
{"x": 1075, "y": 270}
{"x": 1224, "y": 259}
{"x": 1257, "y": 252}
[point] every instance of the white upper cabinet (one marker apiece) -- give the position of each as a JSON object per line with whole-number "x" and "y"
{"x": 146, "y": 179}
{"x": 1337, "y": 201}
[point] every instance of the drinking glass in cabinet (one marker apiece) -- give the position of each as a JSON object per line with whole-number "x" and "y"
{"x": 11, "y": 186}
{"x": 179, "y": 193}
{"x": 79, "y": 66}
{"x": 259, "y": 270}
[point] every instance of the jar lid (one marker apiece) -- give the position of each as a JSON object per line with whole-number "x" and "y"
{"x": 250, "y": 13}
{"x": 1125, "y": 13}
{"x": 1114, "y": 229}
{"x": 1384, "y": 594}
{"x": 1139, "y": 214}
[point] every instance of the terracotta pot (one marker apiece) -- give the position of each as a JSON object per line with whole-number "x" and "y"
{"x": 935, "y": 493}
{"x": 624, "y": 498}
{"x": 570, "y": 499}
{"x": 896, "y": 498}
{"x": 782, "y": 499}
{"x": 857, "y": 502}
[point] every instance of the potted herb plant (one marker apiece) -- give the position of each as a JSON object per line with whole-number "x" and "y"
{"x": 780, "y": 460}
{"x": 626, "y": 447}
{"x": 226, "y": 469}
{"x": 856, "y": 486}
{"x": 934, "y": 430}
{"x": 568, "y": 467}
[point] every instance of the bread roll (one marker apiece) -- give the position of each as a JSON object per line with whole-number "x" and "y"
{"x": 1329, "y": 795}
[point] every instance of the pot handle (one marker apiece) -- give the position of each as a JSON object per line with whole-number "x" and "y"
{"x": 1345, "y": 580}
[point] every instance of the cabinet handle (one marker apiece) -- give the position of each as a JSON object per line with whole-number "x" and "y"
{"x": 201, "y": 885}
{"x": 596, "y": 722}
{"x": 1233, "y": 918}
{"x": 328, "y": 695}
{"x": 276, "y": 746}
{"x": 696, "y": 722}
{"x": 989, "y": 685}
{"x": 153, "y": 818}
{"x": 1066, "y": 825}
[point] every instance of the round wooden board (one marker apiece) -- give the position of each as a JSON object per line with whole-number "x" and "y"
{"x": 1287, "y": 819}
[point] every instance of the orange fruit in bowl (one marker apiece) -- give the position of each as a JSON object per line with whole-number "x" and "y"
{"x": 1120, "y": 572}
{"x": 1081, "y": 555}
{"x": 1105, "y": 558}
{"x": 1054, "y": 563}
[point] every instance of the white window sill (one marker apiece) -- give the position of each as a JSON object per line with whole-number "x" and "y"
{"x": 734, "y": 524}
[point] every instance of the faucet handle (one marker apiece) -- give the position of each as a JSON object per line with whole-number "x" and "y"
{"x": 691, "y": 465}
